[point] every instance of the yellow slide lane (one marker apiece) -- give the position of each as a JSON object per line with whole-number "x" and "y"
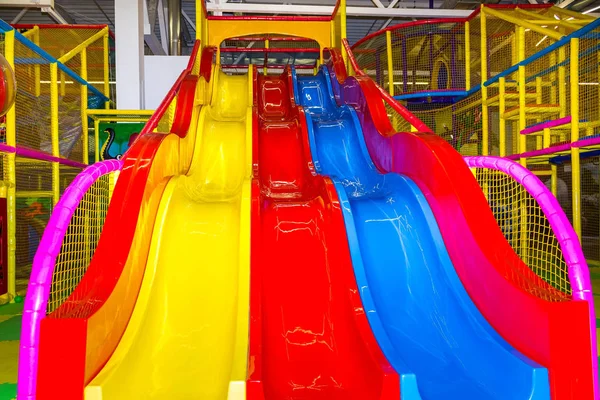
{"x": 188, "y": 334}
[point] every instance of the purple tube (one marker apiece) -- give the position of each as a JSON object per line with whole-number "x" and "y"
{"x": 36, "y": 301}
{"x": 579, "y": 274}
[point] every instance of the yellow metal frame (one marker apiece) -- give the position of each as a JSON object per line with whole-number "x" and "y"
{"x": 520, "y": 22}
{"x": 57, "y": 87}
{"x": 575, "y": 161}
{"x": 390, "y": 62}
{"x": 484, "y": 90}
{"x": 11, "y": 205}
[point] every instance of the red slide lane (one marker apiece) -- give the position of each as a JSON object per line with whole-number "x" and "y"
{"x": 309, "y": 336}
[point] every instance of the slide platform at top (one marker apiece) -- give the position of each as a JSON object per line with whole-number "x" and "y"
{"x": 162, "y": 310}
{"x": 545, "y": 325}
{"x": 309, "y": 337}
{"x": 423, "y": 319}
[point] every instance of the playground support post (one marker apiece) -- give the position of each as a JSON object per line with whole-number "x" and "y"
{"x": 467, "y": 56}
{"x": 554, "y": 180}
{"x": 522, "y": 92}
{"x": 484, "y": 77}
{"x": 522, "y": 89}
{"x": 390, "y": 62}
{"x": 84, "y": 102}
{"x": 575, "y": 162}
{"x": 97, "y": 140}
{"x": 106, "y": 50}
{"x": 54, "y": 131}
{"x": 11, "y": 140}
{"x": 502, "y": 121}
{"x": 562, "y": 87}
{"x": 37, "y": 73}
{"x": 538, "y": 100}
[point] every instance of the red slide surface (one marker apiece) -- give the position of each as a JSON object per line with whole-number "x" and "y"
{"x": 309, "y": 337}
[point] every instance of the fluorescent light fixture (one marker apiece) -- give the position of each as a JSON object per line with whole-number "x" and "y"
{"x": 591, "y": 10}
{"x": 541, "y": 41}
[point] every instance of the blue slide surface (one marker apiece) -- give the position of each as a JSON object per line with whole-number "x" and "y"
{"x": 424, "y": 321}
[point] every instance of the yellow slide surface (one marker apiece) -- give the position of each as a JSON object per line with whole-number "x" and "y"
{"x": 187, "y": 337}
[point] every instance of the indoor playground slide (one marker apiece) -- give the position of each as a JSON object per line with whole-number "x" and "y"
{"x": 309, "y": 337}
{"x": 191, "y": 345}
{"x": 424, "y": 321}
{"x": 248, "y": 274}
{"x": 540, "y": 322}
{"x": 189, "y": 247}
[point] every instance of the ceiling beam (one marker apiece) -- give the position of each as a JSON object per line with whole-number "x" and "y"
{"x": 20, "y": 15}
{"x": 55, "y": 15}
{"x": 250, "y": 8}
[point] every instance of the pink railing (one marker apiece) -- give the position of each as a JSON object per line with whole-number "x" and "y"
{"x": 578, "y": 272}
{"x": 36, "y": 301}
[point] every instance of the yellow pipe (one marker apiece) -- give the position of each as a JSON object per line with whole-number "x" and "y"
{"x": 467, "y": 55}
{"x": 30, "y": 34}
{"x": 553, "y": 180}
{"x": 538, "y": 100}
{"x": 77, "y": 49}
{"x": 106, "y": 49}
{"x": 250, "y": 87}
{"x": 542, "y": 173}
{"x": 266, "y": 57}
{"x": 84, "y": 102}
{"x": 332, "y": 27}
{"x": 54, "y": 131}
{"x": 521, "y": 23}
{"x": 575, "y": 165}
{"x": 11, "y": 140}
{"x": 562, "y": 86}
{"x": 553, "y": 78}
{"x": 37, "y": 74}
{"x": 522, "y": 92}
{"x": 502, "y": 121}
{"x": 546, "y": 138}
{"x": 484, "y": 76}
{"x": 94, "y": 112}
{"x": 390, "y": 62}
{"x": 63, "y": 83}
{"x": 569, "y": 13}
{"x": 537, "y": 19}
{"x": 34, "y": 193}
{"x": 97, "y": 140}
{"x": 121, "y": 119}
{"x": 199, "y": 16}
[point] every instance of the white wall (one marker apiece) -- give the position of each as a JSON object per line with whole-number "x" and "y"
{"x": 129, "y": 33}
{"x": 161, "y": 72}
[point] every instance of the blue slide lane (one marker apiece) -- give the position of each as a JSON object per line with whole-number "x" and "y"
{"x": 426, "y": 324}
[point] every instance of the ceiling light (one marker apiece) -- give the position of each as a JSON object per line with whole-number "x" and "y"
{"x": 591, "y": 10}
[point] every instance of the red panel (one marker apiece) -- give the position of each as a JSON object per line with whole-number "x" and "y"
{"x": 309, "y": 336}
{"x": 206, "y": 62}
{"x": 553, "y": 333}
{"x": 185, "y": 105}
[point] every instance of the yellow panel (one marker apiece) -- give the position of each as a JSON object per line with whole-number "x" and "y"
{"x": 188, "y": 335}
{"x": 219, "y": 30}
